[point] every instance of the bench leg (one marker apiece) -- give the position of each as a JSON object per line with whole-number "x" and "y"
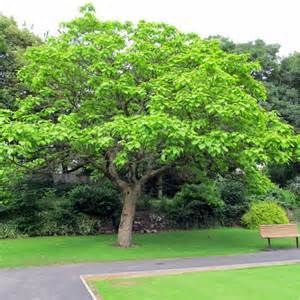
{"x": 297, "y": 242}
{"x": 269, "y": 242}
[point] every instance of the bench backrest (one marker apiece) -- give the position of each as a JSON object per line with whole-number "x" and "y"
{"x": 280, "y": 230}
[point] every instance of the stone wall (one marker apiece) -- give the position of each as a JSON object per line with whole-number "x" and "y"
{"x": 145, "y": 222}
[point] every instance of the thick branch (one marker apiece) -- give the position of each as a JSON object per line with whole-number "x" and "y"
{"x": 111, "y": 171}
{"x": 153, "y": 173}
{"x": 132, "y": 172}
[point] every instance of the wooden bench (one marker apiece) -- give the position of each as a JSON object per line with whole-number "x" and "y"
{"x": 279, "y": 231}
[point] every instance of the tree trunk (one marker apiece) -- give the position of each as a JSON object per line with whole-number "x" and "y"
{"x": 130, "y": 196}
{"x": 160, "y": 186}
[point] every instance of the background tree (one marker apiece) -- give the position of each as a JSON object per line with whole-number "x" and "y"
{"x": 281, "y": 79}
{"x": 258, "y": 50}
{"x": 13, "y": 42}
{"x": 279, "y": 75}
{"x": 284, "y": 90}
{"x": 134, "y": 100}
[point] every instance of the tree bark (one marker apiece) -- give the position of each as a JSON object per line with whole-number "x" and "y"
{"x": 160, "y": 186}
{"x": 130, "y": 196}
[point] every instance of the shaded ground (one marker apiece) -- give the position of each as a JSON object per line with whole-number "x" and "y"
{"x": 63, "y": 282}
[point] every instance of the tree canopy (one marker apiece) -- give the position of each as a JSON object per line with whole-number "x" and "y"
{"x": 132, "y": 100}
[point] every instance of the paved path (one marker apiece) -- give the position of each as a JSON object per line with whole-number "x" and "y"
{"x": 62, "y": 282}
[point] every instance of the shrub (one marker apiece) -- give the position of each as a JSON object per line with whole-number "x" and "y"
{"x": 264, "y": 212}
{"x": 283, "y": 197}
{"x": 294, "y": 186}
{"x": 74, "y": 224}
{"x": 196, "y": 206}
{"x": 27, "y": 207}
{"x": 37, "y": 210}
{"x": 282, "y": 174}
{"x": 162, "y": 205}
{"x": 52, "y": 215}
{"x": 235, "y": 201}
{"x": 97, "y": 201}
{"x": 9, "y": 230}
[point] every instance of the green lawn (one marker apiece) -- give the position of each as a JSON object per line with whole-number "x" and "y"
{"x": 51, "y": 250}
{"x": 267, "y": 283}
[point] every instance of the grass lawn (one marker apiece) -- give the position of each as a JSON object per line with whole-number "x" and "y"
{"x": 267, "y": 283}
{"x": 51, "y": 250}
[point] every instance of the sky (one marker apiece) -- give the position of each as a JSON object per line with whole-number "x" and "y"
{"x": 275, "y": 21}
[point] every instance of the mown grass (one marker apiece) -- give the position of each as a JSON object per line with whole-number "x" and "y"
{"x": 75, "y": 249}
{"x": 267, "y": 283}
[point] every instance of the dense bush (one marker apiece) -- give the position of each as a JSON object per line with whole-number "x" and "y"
{"x": 39, "y": 210}
{"x": 196, "y": 206}
{"x": 282, "y": 174}
{"x": 285, "y": 198}
{"x": 264, "y": 212}
{"x": 235, "y": 201}
{"x": 27, "y": 207}
{"x": 163, "y": 205}
{"x": 97, "y": 201}
{"x": 294, "y": 186}
{"x": 9, "y": 230}
{"x": 72, "y": 224}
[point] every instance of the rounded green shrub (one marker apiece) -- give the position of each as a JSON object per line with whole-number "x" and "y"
{"x": 233, "y": 194}
{"x": 264, "y": 212}
{"x": 96, "y": 201}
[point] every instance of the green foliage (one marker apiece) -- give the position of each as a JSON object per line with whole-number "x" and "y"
{"x": 64, "y": 222}
{"x": 264, "y": 212}
{"x": 283, "y": 197}
{"x": 284, "y": 91}
{"x": 162, "y": 205}
{"x": 132, "y": 100}
{"x": 258, "y": 183}
{"x": 102, "y": 202}
{"x": 233, "y": 194}
{"x": 294, "y": 186}
{"x": 282, "y": 174}
{"x": 280, "y": 76}
{"x": 196, "y": 206}
{"x": 13, "y": 42}
{"x": 35, "y": 208}
{"x": 39, "y": 211}
{"x": 9, "y": 230}
{"x": 258, "y": 50}
{"x": 182, "y": 96}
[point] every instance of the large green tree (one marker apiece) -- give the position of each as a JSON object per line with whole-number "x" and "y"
{"x": 133, "y": 100}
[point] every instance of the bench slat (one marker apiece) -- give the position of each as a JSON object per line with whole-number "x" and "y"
{"x": 279, "y": 231}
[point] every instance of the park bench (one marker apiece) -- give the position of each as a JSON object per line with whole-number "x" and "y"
{"x": 279, "y": 231}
